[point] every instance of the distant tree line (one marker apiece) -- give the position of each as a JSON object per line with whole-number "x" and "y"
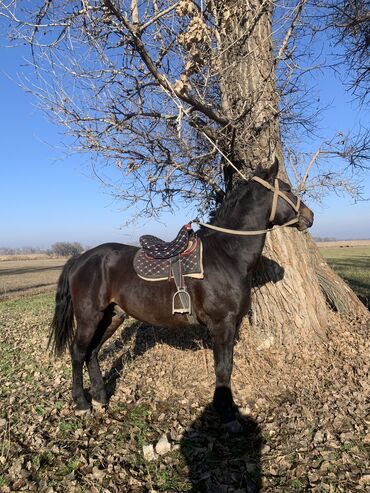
{"x": 324, "y": 238}
{"x": 20, "y": 251}
{"x": 59, "y": 249}
{"x": 66, "y": 249}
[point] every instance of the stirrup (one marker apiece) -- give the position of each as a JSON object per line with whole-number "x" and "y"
{"x": 184, "y": 299}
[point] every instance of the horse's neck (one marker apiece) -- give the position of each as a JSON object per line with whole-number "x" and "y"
{"x": 245, "y": 250}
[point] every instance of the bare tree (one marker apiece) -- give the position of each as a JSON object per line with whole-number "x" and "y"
{"x": 67, "y": 249}
{"x": 171, "y": 92}
{"x": 349, "y": 21}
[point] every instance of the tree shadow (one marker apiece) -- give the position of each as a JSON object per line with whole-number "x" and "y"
{"x": 220, "y": 462}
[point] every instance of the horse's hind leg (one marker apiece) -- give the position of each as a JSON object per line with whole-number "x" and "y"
{"x": 112, "y": 319}
{"x": 86, "y": 328}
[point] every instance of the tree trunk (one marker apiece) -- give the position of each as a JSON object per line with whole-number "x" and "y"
{"x": 294, "y": 288}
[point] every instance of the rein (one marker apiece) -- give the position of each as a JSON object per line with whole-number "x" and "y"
{"x": 277, "y": 193}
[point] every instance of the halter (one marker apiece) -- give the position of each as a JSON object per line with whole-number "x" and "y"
{"x": 277, "y": 193}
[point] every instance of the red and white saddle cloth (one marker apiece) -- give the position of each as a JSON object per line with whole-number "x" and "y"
{"x": 159, "y": 269}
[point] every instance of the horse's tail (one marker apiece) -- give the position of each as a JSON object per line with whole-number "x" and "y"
{"x": 62, "y": 325}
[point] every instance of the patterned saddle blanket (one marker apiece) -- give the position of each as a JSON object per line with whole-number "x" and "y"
{"x": 160, "y": 269}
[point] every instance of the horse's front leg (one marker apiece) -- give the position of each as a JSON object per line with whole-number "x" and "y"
{"x": 223, "y": 351}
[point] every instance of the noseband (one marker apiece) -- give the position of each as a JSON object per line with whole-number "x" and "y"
{"x": 277, "y": 193}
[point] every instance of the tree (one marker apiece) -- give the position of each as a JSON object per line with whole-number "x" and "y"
{"x": 67, "y": 249}
{"x": 172, "y": 92}
{"x": 349, "y": 20}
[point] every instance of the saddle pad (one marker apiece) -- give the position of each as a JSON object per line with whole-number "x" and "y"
{"x": 154, "y": 269}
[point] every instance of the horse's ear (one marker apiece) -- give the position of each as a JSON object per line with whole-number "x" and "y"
{"x": 268, "y": 174}
{"x": 273, "y": 170}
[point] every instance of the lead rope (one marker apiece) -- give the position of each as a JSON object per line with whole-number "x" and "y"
{"x": 245, "y": 233}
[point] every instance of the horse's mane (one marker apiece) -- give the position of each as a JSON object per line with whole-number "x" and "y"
{"x": 230, "y": 202}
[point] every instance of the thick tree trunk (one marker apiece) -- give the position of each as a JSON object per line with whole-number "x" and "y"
{"x": 291, "y": 306}
{"x": 247, "y": 81}
{"x": 294, "y": 288}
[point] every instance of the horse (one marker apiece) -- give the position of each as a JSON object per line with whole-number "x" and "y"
{"x": 99, "y": 288}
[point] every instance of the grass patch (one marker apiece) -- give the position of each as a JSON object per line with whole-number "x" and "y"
{"x": 3, "y": 481}
{"x": 33, "y": 305}
{"x": 71, "y": 466}
{"x": 68, "y": 427}
{"x": 170, "y": 479}
{"x": 353, "y": 265}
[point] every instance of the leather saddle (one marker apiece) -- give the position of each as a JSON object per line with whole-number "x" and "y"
{"x": 160, "y": 249}
{"x": 158, "y": 260}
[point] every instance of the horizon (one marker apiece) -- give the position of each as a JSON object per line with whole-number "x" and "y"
{"x": 27, "y": 249}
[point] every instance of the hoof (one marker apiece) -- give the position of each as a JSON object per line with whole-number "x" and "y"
{"x": 82, "y": 412}
{"x": 98, "y": 406}
{"x": 232, "y": 427}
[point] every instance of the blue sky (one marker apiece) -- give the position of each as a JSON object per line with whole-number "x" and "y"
{"x": 46, "y": 196}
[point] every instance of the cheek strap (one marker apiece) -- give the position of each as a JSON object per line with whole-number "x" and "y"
{"x": 274, "y": 201}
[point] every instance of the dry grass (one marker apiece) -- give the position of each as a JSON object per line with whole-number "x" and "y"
{"x": 20, "y": 276}
{"x": 30, "y": 256}
{"x": 353, "y": 265}
{"x": 343, "y": 244}
{"x": 305, "y": 424}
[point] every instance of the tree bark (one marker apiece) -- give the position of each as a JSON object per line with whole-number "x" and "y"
{"x": 247, "y": 81}
{"x": 294, "y": 289}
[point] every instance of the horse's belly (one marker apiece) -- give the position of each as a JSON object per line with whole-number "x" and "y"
{"x": 150, "y": 302}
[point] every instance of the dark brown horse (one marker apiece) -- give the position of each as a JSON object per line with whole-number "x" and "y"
{"x": 97, "y": 288}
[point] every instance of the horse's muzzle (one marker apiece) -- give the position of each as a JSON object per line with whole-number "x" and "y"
{"x": 305, "y": 218}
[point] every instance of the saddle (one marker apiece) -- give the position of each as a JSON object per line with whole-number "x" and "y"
{"x": 157, "y": 248}
{"x": 158, "y": 260}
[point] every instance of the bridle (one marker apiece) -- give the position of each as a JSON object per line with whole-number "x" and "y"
{"x": 277, "y": 193}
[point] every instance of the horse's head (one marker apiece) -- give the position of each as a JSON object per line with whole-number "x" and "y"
{"x": 286, "y": 208}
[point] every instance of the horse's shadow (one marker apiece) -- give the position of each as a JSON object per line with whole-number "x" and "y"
{"x": 193, "y": 339}
{"x": 220, "y": 462}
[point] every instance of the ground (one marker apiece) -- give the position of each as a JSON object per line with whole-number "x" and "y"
{"x": 305, "y": 422}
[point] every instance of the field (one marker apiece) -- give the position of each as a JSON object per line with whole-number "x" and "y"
{"x": 305, "y": 415}
{"x": 352, "y": 263}
{"x": 28, "y": 274}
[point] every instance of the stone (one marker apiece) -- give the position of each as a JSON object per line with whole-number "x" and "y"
{"x": 319, "y": 437}
{"x": 163, "y": 446}
{"x": 365, "y": 480}
{"x": 148, "y": 453}
{"x": 367, "y": 439}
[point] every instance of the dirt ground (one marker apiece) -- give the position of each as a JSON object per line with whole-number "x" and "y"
{"x": 304, "y": 413}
